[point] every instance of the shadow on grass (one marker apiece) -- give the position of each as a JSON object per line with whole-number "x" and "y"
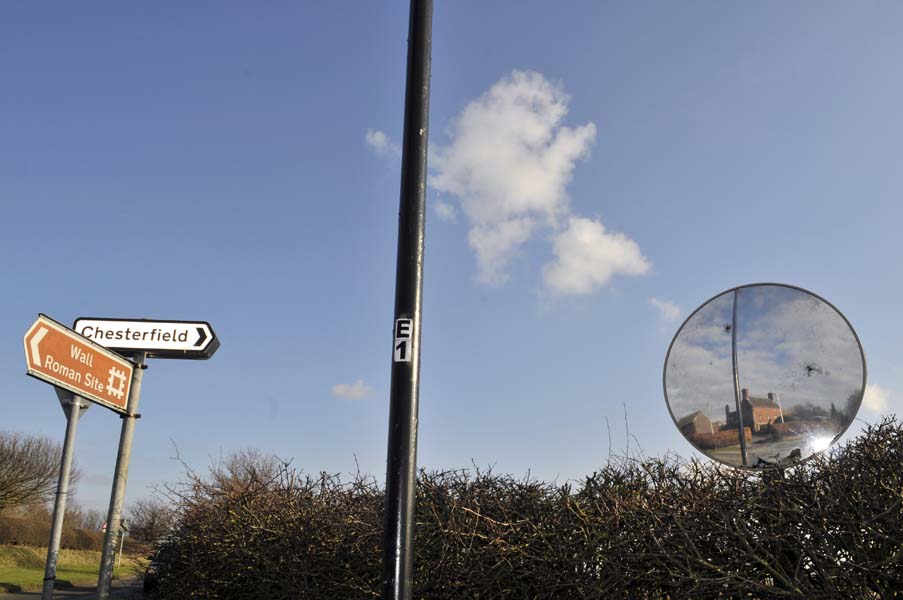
{"x": 9, "y": 588}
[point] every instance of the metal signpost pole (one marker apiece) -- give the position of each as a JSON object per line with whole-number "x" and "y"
{"x": 72, "y": 407}
{"x": 123, "y": 531}
{"x": 119, "y": 479}
{"x": 401, "y": 467}
{"x": 121, "y": 544}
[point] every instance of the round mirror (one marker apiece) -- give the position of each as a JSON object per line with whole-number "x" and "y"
{"x": 764, "y": 375}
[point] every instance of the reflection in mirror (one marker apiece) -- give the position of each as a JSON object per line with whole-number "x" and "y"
{"x": 792, "y": 388}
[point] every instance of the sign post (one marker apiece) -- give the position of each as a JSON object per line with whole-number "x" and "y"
{"x": 401, "y": 461}
{"x": 142, "y": 339}
{"x": 84, "y": 369}
{"x": 78, "y": 368}
{"x": 120, "y": 477}
{"x": 74, "y": 409}
{"x": 123, "y": 531}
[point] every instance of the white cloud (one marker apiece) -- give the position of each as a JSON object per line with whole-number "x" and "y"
{"x": 510, "y": 155}
{"x": 667, "y": 310}
{"x": 352, "y": 391}
{"x": 495, "y": 245}
{"x": 447, "y": 212}
{"x": 876, "y": 398}
{"x": 380, "y": 144}
{"x": 510, "y": 160}
{"x": 587, "y": 257}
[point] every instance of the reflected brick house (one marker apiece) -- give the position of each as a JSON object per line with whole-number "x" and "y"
{"x": 756, "y": 411}
{"x": 695, "y": 423}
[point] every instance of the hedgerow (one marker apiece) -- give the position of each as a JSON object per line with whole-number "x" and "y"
{"x": 639, "y": 527}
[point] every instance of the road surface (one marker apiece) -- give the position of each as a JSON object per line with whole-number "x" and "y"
{"x": 122, "y": 590}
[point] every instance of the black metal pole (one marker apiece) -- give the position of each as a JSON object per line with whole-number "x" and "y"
{"x": 401, "y": 467}
{"x": 737, "y": 401}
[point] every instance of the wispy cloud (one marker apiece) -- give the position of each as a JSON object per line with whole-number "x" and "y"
{"x": 381, "y": 144}
{"x": 446, "y": 212}
{"x": 509, "y": 161}
{"x": 667, "y": 310}
{"x": 876, "y": 398}
{"x": 352, "y": 391}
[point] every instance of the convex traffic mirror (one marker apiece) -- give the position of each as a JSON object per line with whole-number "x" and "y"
{"x": 764, "y": 375}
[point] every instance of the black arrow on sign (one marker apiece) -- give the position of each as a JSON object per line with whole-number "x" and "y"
{"x": 203, "y": 336}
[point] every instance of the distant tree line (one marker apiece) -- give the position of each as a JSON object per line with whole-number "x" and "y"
{"x": 29, "y": 525}
{"x": 29, "y": 468}
{"x": 639, "y": 527}
{"x": 29, "y": 471}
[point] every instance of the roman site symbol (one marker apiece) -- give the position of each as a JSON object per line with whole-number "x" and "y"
{"x": 117, "y": 390}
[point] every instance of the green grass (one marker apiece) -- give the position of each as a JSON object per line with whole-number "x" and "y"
{"x": 22, "y": 568}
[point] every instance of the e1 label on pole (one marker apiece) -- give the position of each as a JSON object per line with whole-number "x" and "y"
{"x": 404, "y": 331}
{"x": 156, "y": 338}
{"x": 60, "y": 356}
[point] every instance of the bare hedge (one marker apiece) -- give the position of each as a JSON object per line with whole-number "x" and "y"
{"x": 638, "y": 528}
{"x": 29, "y": 532}
{"x": 18, "y": 531}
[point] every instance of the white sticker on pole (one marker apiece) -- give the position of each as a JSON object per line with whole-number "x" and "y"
{"x": 404, "y": 329}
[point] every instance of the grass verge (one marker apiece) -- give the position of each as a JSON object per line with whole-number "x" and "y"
{"x": 22, "y": 568}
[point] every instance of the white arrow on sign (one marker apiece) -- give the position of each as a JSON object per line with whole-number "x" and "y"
{"x": 35, "y": 342}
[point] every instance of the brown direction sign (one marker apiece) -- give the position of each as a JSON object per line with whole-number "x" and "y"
{"x": 56, "y": 354}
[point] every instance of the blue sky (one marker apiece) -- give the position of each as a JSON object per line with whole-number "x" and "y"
{"x": 237, "y": 164}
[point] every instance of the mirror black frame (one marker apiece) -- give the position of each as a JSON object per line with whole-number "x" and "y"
{"x": 744, "y": 287}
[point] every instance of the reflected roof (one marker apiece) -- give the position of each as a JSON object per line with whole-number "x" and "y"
{"x": 762, "y": 402}
{"x": 690, "y": 418}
